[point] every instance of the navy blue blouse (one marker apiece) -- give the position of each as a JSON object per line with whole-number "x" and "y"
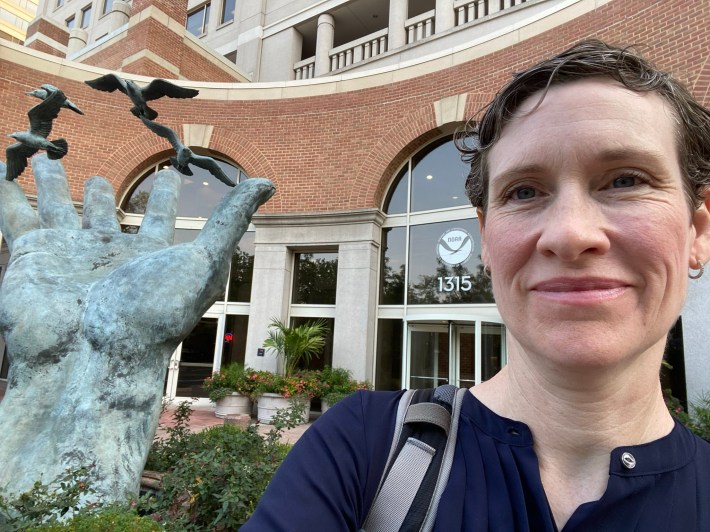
{"x": 329, "y": 479}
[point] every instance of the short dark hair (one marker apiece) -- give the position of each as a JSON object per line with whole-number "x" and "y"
{"x": 587, "y": 59}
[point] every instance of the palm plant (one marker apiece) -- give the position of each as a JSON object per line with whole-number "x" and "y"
{"x": 294, "y": 344}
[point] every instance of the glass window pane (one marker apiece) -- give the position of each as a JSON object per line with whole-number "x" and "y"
{"x": 108, "y": 4}
{"x": 325, "y": 357}
{"x": 235, "y": 339}
{"x": 197, "y": 21}
{"x": 445, "y": 264}
{"x": 85, "y": 16}
{"x": 196, "y": 359}
{"x": 199, "y": 193}
{"x": 467, "y": 356}
{"x": 315, "y": 278}
{"x": 438, "y": 177}
{"x": 394, "y": 245}
{"x": 227, "y": 11}
{"x": 70, "y": 22}
{"x": 388, "y": 373}
{"x": 242, "y": 269}
{"x": 429, "y": 361}
{"x": 397, "y": 201}
{"x": 491, "y": 349}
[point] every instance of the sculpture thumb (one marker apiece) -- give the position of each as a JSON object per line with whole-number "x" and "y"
{"x": 232, "y": 215}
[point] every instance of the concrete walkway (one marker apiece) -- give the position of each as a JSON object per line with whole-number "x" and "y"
{"x": 203, "y": 417}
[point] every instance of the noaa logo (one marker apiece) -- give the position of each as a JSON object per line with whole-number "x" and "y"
{"x": 455, "y": 246}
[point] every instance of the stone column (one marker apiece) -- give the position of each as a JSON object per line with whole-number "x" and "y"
{"x": 445, "y": 16}
{"x": 270, "y": 286}
{"x": 77, "y": 40}
{"x": 397, "y": 34}
{"x": 324, "y": 43}
{"x": 120, "y": 13}
{"x": 356, "y": 308}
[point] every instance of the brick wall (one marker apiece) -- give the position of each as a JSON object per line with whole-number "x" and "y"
{"x": 50, "y": 29}
{"x": 340, "y": 151}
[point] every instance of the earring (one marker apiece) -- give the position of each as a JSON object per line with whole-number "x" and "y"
{"x": 700, "y": 273}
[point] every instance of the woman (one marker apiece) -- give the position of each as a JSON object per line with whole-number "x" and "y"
{"x": 590, "y": 172}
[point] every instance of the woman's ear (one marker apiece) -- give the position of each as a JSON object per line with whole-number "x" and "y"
{"x": 700, "y": 249}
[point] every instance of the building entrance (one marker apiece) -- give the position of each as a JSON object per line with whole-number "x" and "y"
{"x": 459, "y": 353}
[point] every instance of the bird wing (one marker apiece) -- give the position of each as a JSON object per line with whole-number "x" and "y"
{"x": 159, "y": 88}
{"x": 108, "y": 83}
{"x": 49, "y": 88}
{"x": 209, "y": 164}
{"x": 17, "y": 155}
{"x": 163, "y": 131}
{"x": 42, "y": 114}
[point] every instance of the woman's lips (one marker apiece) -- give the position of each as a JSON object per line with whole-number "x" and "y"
{"x": 580, "y": 290}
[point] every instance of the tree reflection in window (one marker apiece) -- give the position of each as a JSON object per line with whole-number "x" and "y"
{"x": 240, "y": 278}
{"x": 199, "y": 193}
{"x": 315, "y": 278}
{"x": 431, "y": 280}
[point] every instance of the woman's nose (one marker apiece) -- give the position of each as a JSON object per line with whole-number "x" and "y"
{"x": 572, "y": 226}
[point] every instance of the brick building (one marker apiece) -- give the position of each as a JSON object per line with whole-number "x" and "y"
{"x": 349, "y": 107}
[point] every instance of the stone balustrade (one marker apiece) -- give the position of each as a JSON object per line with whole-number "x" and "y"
{"x": 305, "y": 69}
{"x": 420, "y": 27}
{"x": 361, "y": 49}
{"x": 417, "y": 29}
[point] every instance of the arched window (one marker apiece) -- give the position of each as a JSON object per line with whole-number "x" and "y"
{"x": 437, "y": 320}
{"x": 199, "y": 193}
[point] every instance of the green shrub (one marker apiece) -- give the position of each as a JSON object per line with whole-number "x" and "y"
{"x": 109, "y": 519}
{"x": 697, "y": 418}
{"x": 338, "y": 383}
{"x": 47, "y": 504}
{"x": 218, "y": 482}
{"x": 165, "y": 452}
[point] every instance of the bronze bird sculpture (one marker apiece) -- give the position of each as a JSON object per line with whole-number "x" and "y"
{"x": 185, "y": 156}
{"x": 140, "y": 96}
{"x": 35, "y": 138}
{"x": 46, "y": 89}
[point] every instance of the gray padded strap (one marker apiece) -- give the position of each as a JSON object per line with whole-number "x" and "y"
{"x": 429, "y": 413}
{"x": 401, "y": 485}
{"x": 446, "y": 462}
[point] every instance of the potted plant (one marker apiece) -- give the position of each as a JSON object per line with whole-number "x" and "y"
{"x": 336, "y": 384}
{"x": 278, "y": 392}
{"x": 230, "y": 390}
{"x": 293, "y": 344}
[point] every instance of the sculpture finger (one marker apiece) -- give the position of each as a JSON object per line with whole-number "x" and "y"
{"x": 232, "y": 215}
{"x": 99, "y": 206}
{"x": 54, "y": 203}
{"x": 17, "y": 216}
{"x": 160, "y": 213}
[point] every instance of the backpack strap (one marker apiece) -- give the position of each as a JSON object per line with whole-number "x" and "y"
{"x": 419, "y": 462}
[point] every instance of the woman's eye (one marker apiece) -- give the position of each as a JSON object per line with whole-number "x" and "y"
{"x": 624, "y": 181}
{"x": 524, "y": 193}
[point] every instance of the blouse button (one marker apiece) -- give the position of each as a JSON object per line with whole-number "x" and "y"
{"x": 628, "y": 460}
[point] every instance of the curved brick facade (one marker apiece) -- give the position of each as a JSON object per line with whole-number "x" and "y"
{"x": 332, "y": 146}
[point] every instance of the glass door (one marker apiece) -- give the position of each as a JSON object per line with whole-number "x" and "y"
{"x": 193, "y": 361}
{"x": 429, "y": 355}
{"x": 465, "y": 354}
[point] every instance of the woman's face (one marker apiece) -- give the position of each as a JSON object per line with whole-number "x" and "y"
{"x": 588, "y": 234}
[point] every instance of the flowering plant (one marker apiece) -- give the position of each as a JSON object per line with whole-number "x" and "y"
{"x": 301, "y": 384}
{"x": 230, "y": 379}
{"x": 337, "y": 383}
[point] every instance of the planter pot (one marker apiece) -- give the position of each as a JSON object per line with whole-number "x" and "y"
{"x": 233, "y": 404}
{"x": 270, "y": 403}
{"x": 324, "y": 406}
